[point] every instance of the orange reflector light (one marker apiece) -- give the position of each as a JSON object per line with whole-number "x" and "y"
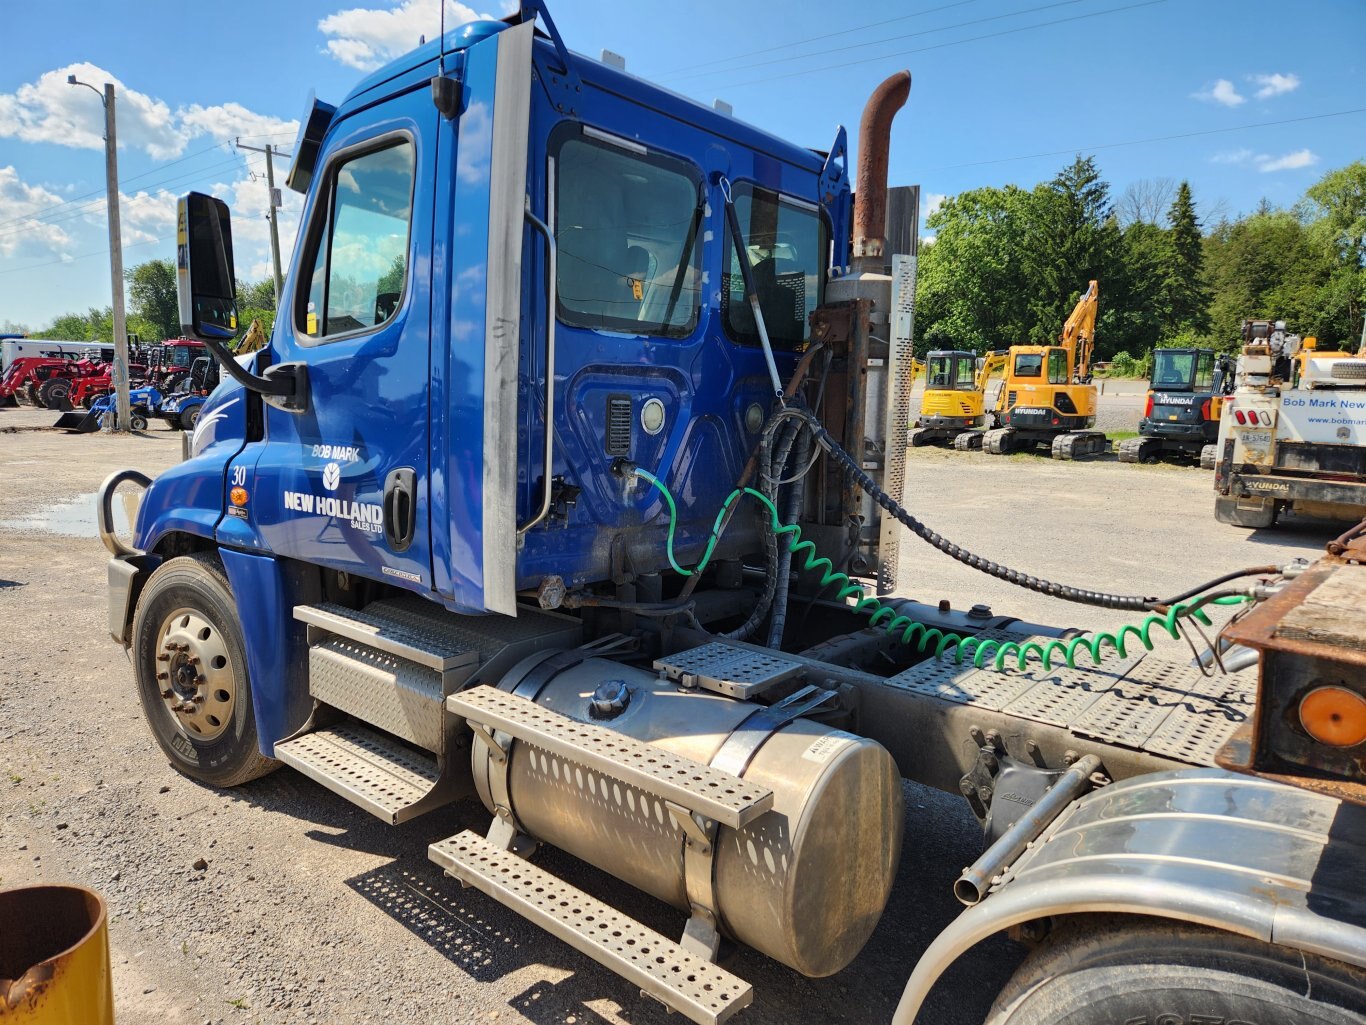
{"x": 1335, "y": 716}
{"x": 238, "y": 496}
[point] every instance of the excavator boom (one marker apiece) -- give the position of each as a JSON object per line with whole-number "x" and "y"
{"x": 1079, "y": 331}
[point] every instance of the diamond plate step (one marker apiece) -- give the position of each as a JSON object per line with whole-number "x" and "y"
{"x": 661, "y": 968}
{"x": 384, "y": 690}
{"x": 421, "y": 640}
{"x": 728, "y": 669}
{"x": 369, "y": 769}
{"x": 718, "y": 795}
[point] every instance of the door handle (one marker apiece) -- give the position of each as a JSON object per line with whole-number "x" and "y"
{"x": 400, "y": 508}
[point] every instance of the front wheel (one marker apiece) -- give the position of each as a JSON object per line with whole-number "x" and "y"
{"x": 190, "y": 417}
{"x": 190, "y": 664}
{"x": 1113, "y": 969}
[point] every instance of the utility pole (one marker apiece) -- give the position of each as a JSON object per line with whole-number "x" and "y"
{"x": 123, "y": 414}
{"x": 269, "y": 151}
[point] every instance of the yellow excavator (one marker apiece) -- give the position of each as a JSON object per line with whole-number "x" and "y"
{"x": 1048, "y": 397}
{"x": 954, "y": 406}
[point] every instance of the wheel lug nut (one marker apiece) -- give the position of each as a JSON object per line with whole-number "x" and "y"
{"x": 163, "y": 657}
{"x": 163, "y": 676}
{"x": 168, "y": 693}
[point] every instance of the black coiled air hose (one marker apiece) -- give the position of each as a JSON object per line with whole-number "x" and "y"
{"x": 851, "y": 469}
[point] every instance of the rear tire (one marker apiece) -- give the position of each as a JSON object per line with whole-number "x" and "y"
{"x": 190, "y": 417}
{"x": 55, "y": 393}
{"x": 1113, "y": 969}
{"x": 191, "y": 593}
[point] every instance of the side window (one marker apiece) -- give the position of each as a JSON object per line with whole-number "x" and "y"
{"x": 1204, "y": 374}
{"x": 1028, "y": 364}
{"x": 1057, "y": 366}
{"x": 360, "y": 262}
{"x": 787, "y": 243}
{"x": 627, "y": 225}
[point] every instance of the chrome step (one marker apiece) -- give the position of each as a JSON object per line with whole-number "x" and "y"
{"x": 729, "y": 669}
{"x": 697, "y": 989}
{"x": 423, "y": 640}
{"x": 384, "y": 690}
{"x": 699, "y": 788}
{"x": 369, "y": 769}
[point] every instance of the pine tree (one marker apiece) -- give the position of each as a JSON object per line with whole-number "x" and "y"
{"x": 1073, "y": 239}
{"x": 1186, "y": 297}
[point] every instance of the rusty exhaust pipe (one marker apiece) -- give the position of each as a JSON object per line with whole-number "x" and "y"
{"x": 870, "y": 182}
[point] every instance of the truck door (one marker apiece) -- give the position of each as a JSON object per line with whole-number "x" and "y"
{"x": 344, "y": 484}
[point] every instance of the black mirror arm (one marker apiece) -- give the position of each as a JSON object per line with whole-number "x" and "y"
{"x": 286, "y": 384}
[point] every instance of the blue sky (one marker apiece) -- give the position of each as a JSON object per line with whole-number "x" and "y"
{"x": 1004, "y": 91}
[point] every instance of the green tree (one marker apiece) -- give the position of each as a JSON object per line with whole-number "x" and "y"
{"x": 1073, "y": 237}
{"x": 1337, "y": 203}
{"x": 152, "y": 299}
{"x": 1185, "y": 298}
{"x": 971, "y": 290}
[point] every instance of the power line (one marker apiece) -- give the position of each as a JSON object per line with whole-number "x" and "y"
{"x": 84, "y": 256}
{"x": 891, "y": 39}
{"x": 1141, "y": 142}
{"x": 124, "y": 181}
{"x": 225, "y": 146}
{"x": 940, "y": 46}
{"x": 815, "y": 39}
{"x": 67, "y": 216}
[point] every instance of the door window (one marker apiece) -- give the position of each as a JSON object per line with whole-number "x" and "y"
{"x": 360, "y": 262}
{"x": 1204, "y": 373}
{"x": 1057, "y": 366}
{"x": 1029, "y": 364}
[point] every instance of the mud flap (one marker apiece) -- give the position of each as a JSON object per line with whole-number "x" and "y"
{"x": 83, "y": 422}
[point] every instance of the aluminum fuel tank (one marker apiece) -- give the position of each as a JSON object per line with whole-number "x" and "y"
{"x": 805, "y": 883}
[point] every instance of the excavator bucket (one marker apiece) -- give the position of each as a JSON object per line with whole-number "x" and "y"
{"x": 79, "y": 422}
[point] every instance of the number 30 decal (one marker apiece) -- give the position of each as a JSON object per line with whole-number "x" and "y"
{"x": 239, "y": 476}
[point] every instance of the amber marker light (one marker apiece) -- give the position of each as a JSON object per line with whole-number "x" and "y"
{"x": 238, "y": 496}
{"x": 1335, "y": 716}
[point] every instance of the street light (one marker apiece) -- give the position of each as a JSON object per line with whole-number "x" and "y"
{"x": 111, "y": 175}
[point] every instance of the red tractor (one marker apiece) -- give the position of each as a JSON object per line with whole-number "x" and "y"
{"x": 26, "y": 377}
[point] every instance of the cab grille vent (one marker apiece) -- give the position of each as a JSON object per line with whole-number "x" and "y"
{"x": 618, "y": 425}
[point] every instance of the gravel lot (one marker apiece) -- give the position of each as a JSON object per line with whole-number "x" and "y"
{"x": 310, "y": 910}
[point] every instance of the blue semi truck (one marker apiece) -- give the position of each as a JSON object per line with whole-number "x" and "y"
{"x": 570, "y": 482}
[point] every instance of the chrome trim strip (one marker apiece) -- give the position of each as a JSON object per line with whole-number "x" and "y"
{"x": 502, "y": 324}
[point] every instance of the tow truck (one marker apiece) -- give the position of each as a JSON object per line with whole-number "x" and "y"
{"x": 573, "y": 382}
{"x": 1293, "y": 433}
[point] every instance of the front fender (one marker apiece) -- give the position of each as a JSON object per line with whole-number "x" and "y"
{"x": 1201, "y": 845}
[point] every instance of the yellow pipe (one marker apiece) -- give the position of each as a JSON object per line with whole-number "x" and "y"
{"x": 54, "y": 957}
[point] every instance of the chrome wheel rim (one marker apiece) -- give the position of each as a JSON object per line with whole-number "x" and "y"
{"x": 194, "y": 674}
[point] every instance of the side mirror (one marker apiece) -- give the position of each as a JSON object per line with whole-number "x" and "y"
{"x": 207, "y": 287}
{"x": 205, "y": 277}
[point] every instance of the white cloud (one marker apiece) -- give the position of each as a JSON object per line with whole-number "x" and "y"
{"x": 930, "y": 203}
{"x": 366, "y": 37}
{"x": 19, "y": 201}
{"x": 1223, "y": 92}
{"x": 1265, "y": 162}
{"x": 1275, "y": 84}
{"x": 1288, "y": 162}
{"x": 50, "y": 110}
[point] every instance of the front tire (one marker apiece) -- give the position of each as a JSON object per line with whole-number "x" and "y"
{"x": 1115, "y": 969}
{"x": 189, "y": 661}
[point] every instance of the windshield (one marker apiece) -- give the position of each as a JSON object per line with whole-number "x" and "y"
{"x": 626, "y": 225}
{"x": 1029, "y": 364}
{"x": 957, "y": 372}
{"x": 1173, "y": 369}
{"x": 786, "y": 242}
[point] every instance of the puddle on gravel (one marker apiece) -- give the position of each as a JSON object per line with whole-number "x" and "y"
{"x": 76, "y": 518}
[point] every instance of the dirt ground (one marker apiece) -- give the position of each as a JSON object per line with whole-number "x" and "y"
{"x": 310, "y": 910}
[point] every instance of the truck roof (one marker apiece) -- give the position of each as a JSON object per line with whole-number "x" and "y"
{"x": 598, "y": 75}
